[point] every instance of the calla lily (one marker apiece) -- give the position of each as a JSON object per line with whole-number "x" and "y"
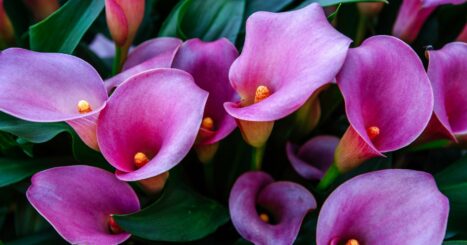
{"x": 463, "y": 35}
{"x": 79, "y": 201}
{"x": 155, "y": 53}
{"x": 388, "y": 100}
{"x": 272, "y": 85}
{"x": 413, "y": 14}
{"x": 48, "y": 87}
{"x": 209, "y": 63}
{"x": 268, "y": 212}
{"x": 123, "y": 19}
{"x": 6, "y": 28}
{"x": 41, "y": 9}
{"x": 150, "y": 123}
{"x": 447, "y": 71}
{"x": 384, "y": 207}
{"x": 312, "y": 159}
{"x": 102, "y": 46}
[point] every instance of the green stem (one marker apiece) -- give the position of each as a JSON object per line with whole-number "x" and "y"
{"x": 257, "y": 157}
{"x": 329, "y": 177}
{"x": 121, "y": 54}
{"x": 209, "y": 176}
{"x": 361, "y": 30}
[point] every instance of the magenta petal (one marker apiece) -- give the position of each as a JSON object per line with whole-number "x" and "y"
{"x": 154, "y": 53}
{"x": 293, "y": 54}
{"x": 313, "y": 158}
{"x": 447, "y": 71}
{"x": 384, "y": 85}
{"x": 287, "y": 202}
{"x": 77, "y": 202}
{"x": 157, "y": 112}
{"x": 46, "y": 87}
{"x": 86, "y": 129}
{"x": 209, "y": 63}
{"x": 385, "y": 207}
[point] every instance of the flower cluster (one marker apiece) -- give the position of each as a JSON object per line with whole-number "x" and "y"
{"x": 169, "y": 96}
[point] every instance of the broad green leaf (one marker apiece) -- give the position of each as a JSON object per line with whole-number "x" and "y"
{"x": 327, "y": 3}
{"x": 179, "y": 215}
{"x": 205, "y": 19}
{"x": 14, "y": 170}
{"x": 452, "y": 182}
{"x": 270, "y": 5}
{"x": 31, "y": 131}
{"x": 63, "y": 30}
{"x": 455, "y": 243}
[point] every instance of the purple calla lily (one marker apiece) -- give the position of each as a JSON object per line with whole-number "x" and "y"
{"x": 273, "y": 79}
{"x": 154, "y": 53}
{"x": 268, "y": 212}
{"x": 312, "y": 159}
{"x": 447, "y": 71}
{"x": 388, "y": 100}
{"x": 384, "y": 207}
{"x": 79, "y": 201}
{"x": 150, "y": 123}
{"x": 209, "y": 63}
{"x": 47, "y": 87}
{"x": 413, "y": 14}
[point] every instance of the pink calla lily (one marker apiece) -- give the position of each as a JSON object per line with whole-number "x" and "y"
{"x": 273, "y": 79}
{"x": 123, "y": 19}
{"x": 47, "y": 87}
{"x": 282, "y": 204}
{"x": 413, "y": 14}
{"x": 150, "y": 123}
{"x": 384, "y": 207}
{"x": 447, "y": 70}
{"x": 79, "y": 201}
{"x": 152, "y": 54}
{"x": 388, "y": 100}
{"x": 312, "y": 159}
{"x": 209, "y": 63}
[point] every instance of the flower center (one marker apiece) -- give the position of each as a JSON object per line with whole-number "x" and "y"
{"x": 140, "y": 159}
{"x": 207, "y": 123}
{"x": 262, "y": 92}
{"x": 352, "y": 242}
{"x": 373, "y": 132}
{"x": 113, "y": 226}
{"x": 264, "y": 217}
{"x": 84, "y": 107}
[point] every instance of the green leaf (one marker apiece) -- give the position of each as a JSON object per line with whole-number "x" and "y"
{"x": 31, "y": 131}
{"x": 270, "y": 5}
{"x": 208, "y": 19}
{"x": 14, "y": 170}
{"x": 455, "y": 243}
{"x": 452, "y": 182}
{"x": 63, "y": 30}
{"x": 327, "y": 3}
{"x": 179, "y": 215}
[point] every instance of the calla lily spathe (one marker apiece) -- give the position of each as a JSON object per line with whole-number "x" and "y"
{"x": 384, "y": 207}
{"x": 447, "y": 70}
{"x": 413, "y": 14}
{"x": 152, "y": 54}
{"x": 388, "y": 100}
{"x": 48, "y": 87}
{"x": 286, "y": 57}
{"x": 123, "y": 19}
{"x": 282, "y": 207}
{"x": 79, "y": 201}
{"x": 313, "y": 158}
{"x": 150, "y": 123}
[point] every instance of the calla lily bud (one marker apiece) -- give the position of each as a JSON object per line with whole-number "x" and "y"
{"x": 6, "y": 28}
{"x": 41, "y": 9}
{"x": 123, "y": 19}
{"x": 370, "y": 9}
